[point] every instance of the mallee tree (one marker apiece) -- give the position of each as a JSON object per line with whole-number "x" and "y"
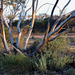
{"x": 49, "y": 33}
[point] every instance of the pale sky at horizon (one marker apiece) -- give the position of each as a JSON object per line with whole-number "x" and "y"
{"x": 61, "y": 4}
{"x": 48, "y": 8}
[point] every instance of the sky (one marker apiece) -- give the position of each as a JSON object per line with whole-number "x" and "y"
{"x": 47, "y": 8}
{"x": 61, "y": 4}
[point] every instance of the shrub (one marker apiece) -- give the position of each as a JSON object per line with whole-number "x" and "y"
{"x": 16, "y": 63}
{"x": 28, "y": 26}
{"x": 38, "y": 26}
{"x": 40, "y": 63}
{"x": 71, "y": 71}
{"x": 15, "y": 23}
{"x": 7, "y": 35}
{"x": 55, "y": 56}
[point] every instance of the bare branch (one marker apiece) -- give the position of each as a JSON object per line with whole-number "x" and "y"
{"x": 30, "y": 30}
{"x": 4, "y": 38}
{"x": 28, "y": 10}
{"x": 18, "y": 50}
{"x": 10, "y": 33}
{"x": 36, "y": 5}
{"x": 68, "y": 30}
{"x": 27, "y": 2}
{"x": 5, "y": 8}
{"x": 18, "y": 28}
{"x": 47, "y": 4}
{"x": 60, "y": 17}
{"x": 15, "y": 14}
{"x": 49, "y": 36}
{"x": 48, "y": 26}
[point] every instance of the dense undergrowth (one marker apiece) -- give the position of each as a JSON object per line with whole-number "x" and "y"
{"x": 55, "y": 56}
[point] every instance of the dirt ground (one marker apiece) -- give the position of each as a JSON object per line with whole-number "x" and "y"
{"x": 40, "y": 36}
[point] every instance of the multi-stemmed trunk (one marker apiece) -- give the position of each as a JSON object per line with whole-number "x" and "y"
{"x": 50, "y": 32}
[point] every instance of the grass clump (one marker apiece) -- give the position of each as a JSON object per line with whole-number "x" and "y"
{"x": 16, "y": 63}
{"x": 71, "y": 71}
{"x": 55, "y": 56}
{"x": 40, "y": 62}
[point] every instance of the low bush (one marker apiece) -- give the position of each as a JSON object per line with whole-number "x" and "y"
{"x": 40, "y": 63}
{"x": 7, "y": 35}
{"x": 38, "y": 26}
{"x": 17, "y": 63}
{"x": 55, "y": 56}
{"x": 71, "y": 71}
{"x": 16, "y": 22}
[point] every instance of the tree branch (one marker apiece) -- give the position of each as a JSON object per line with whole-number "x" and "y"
{"x": 46, "y": 4}
{"x": 48, "y": 26}
{"x": 18, "y": 28}
{"x": 60, "y": 17}
{"x": 9, "y": 31}
{"x": 30, "y": 30}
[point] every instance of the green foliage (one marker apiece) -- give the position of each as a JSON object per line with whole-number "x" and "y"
{"x": 38, "y": 26}
{"x": 72, "y": 40}
{"x": 16, "y": 22}
{"x": 55, "y": 56}
{"x": 10, "y": 17}
{"x": 28, "y": 26}
{"x": 7, "y": 35}
{"x": 41, "y": 25}
{"x": 71, "y": 71}
{"x": 41, "y": 63}
{"x": 56, "y": 53}
{"x": 16, "y": 63}
{"x": 58, "y": 44}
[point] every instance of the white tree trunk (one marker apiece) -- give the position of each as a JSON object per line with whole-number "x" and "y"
{"x": 31, "y": 28}
{"x": 4, "y": 38}
{"x": 29, "y": 33}
{"x": 9, "y": 31}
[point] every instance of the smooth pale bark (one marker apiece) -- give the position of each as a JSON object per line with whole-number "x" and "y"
{"x": 9, "y": 31}
{"x": 48, "y": 26}
{"x": 18, "y": 50}
{"x": 4, "y": 38}
{"x": 48, "y": 35}
{"x": 2, "y": 28}
{"x": 60, "y": 17}
{"x": 15, "y": 14}
{"x": 29, "y": 33}
{"x": 31, "y": 28}
{"x": 18, "y": 28}
{"x": 68, "y": 30}
{"x": 41, "y": 45}
{"x": 49, "y": 40}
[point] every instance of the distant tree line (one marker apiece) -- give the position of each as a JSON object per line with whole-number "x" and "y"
{"x": 41, "y": 25}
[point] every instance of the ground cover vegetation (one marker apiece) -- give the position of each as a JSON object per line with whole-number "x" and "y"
{"x": 54, "y": 57}
{"x": 50, "y": 55}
